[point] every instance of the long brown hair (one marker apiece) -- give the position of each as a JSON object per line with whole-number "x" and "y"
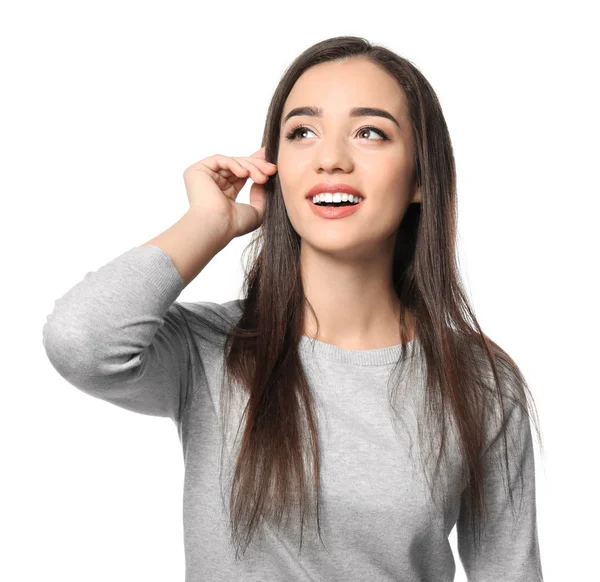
{"x": 465, "y": 371}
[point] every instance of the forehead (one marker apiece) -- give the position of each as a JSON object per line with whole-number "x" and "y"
{"x": 339, "y": 86}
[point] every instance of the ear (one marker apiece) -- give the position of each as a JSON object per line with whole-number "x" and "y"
{"x": 417, "y": 195}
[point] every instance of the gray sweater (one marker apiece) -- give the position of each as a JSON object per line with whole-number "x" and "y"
{"x": 118, "y": 335}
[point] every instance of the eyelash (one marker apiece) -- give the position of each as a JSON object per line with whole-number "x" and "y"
{"x": 292, "y": 133}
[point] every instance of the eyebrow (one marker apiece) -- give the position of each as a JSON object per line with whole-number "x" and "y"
{"x": 314, "y": 111}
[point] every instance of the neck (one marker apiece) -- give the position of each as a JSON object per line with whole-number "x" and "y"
{"x": 354, "y": 300}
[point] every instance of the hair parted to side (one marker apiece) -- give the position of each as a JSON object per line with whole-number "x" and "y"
{"x": 468, "y": 377}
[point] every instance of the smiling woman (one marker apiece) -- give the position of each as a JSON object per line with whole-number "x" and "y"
{"x": 380, "y": 281}
{"x": 319, "y": 401}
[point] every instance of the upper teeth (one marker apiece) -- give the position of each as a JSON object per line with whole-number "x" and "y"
{"x": 336, "y": 197}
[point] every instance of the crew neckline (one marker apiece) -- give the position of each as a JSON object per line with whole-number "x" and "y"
{"x": 375, "y": 357}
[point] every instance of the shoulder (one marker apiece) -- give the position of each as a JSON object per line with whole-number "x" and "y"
{"x": 508, "y": 399}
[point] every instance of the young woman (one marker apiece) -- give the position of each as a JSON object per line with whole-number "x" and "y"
{"x": 350, "y": 394}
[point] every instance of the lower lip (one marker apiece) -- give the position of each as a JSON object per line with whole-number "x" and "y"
{"x": 332, "y": 211}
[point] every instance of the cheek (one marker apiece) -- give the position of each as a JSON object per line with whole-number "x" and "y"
{"x": 291, "y": 180}
{"x": 288, "y": 167}
{"x": 390, "y": 220}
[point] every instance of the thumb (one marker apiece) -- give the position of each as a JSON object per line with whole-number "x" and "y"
{"x": 258, "y": 199}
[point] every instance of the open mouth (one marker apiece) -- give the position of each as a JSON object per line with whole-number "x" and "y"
{"x": 346, "y": 200}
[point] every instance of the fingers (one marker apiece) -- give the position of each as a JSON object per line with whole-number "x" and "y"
{"x": 241, "y": 167}
{"x": 259, "y": 169}
{"x": 223, "y": 167}
{"x": 260, "y": 155}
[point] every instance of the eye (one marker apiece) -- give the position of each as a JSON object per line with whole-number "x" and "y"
{"x": 292, "y": 135}
{"x": 381, "y": 134}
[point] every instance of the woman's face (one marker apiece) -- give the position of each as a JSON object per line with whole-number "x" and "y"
{"x": 337, "y": 148}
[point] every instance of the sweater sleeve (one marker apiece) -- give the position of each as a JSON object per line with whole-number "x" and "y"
{"x": 509, "y": 544}
{"x": 118, "y": 334}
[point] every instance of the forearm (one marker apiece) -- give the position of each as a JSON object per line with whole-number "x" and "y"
{"x": 193, "y": 241}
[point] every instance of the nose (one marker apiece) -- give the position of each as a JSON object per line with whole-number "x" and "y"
{"x": 333, "y": 153}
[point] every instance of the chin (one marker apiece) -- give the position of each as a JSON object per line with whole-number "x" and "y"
{"x": 335, "y": 244}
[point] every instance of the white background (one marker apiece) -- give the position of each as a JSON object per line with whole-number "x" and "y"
{"x": 104, "y": 105}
